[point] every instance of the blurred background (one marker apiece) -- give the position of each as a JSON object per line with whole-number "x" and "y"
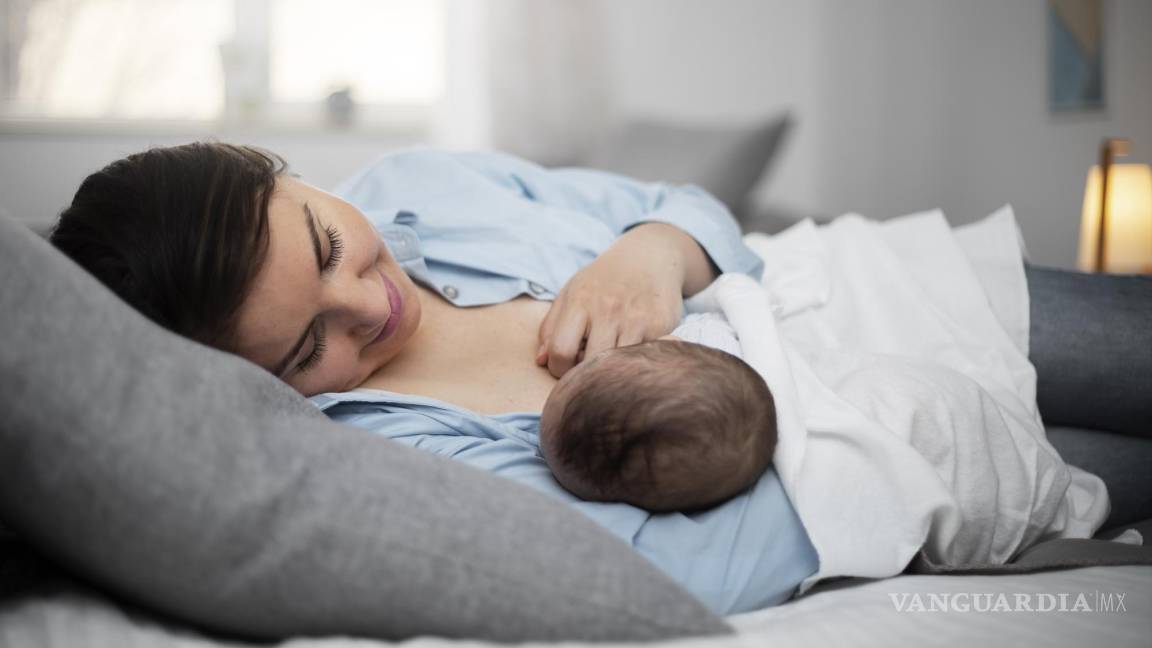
{"x": 784, "y": 109}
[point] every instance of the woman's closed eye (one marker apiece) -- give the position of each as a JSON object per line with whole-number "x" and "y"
{"x": 335, "y": 254}
{"x": 335, "y": 249}
{"x": 318, "y": 346}
{"x": 335, "y": 243}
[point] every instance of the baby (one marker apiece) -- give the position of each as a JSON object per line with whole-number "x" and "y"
{"x": 667, "y": 425}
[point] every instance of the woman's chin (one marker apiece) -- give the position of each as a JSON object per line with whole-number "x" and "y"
{"x": 408, "y": 325}
{"x": 385, "y": 351}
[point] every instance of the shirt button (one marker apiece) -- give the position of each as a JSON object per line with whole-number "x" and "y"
{"x": 535, "y": 287}
{"x": 450, "y": 292}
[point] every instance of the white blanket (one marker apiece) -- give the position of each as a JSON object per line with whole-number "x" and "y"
{"x": 906, "y": 402}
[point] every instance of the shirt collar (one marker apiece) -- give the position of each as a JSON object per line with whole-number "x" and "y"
{"x": 403, "y": 242}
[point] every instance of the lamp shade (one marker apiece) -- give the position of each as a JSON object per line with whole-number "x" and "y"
{"x": 1128, "y": 229}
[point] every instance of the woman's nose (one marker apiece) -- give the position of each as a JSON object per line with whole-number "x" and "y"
{"x": 363, "y": 303}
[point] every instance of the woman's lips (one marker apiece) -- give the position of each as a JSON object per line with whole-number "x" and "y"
{"x": 397, "y": 310}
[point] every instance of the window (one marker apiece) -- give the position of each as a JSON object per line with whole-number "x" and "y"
{"x": 280, "y": 61}
{"x": 388, "y": 52}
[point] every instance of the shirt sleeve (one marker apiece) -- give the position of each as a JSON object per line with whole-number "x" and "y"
{"x": 622, "y": 203}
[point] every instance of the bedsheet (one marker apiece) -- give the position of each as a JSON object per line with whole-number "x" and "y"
{"x": 906, "y": 406}
{"x": 1098, "y": 606}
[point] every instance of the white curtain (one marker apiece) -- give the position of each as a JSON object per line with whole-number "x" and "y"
{"x": 528, "y": 77}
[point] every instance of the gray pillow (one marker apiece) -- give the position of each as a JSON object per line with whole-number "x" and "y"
{"x": 194, "y": 483}
{"x": 726, "y": 161}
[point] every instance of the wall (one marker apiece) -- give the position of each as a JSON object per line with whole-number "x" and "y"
{"x": 1002, "y": 141}
{"x": 39, "y": 171}
{"x": 902, "y": 104}
{"x": 709, "y": 62}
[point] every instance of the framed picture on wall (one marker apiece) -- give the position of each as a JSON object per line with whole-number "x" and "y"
{"x": 1075, "y": 55}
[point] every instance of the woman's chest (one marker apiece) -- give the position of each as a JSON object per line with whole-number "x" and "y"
{"x": 482, "y": 358}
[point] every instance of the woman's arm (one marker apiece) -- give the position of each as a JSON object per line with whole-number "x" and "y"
{"x": 631, "y": 293}
{"x": 671, "y": 243}
{"x": 691, "y": 263}
{"x": 623, "y": 203}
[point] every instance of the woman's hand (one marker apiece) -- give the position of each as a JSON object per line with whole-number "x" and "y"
{"x": 631, "y": 293}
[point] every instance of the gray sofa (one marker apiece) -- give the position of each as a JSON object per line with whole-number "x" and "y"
{"x": 1091, "y": 343}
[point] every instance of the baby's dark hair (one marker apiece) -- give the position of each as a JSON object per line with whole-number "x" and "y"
{"x": 665, "y": 425}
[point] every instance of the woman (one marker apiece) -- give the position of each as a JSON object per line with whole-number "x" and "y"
{"x": 268, "y": 258}
{"x": 450, "y": 291}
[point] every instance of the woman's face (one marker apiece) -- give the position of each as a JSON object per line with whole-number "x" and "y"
{"x": 330, "y": 305}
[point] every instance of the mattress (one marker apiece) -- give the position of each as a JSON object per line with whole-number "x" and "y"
{"x": 1094, "y": 606}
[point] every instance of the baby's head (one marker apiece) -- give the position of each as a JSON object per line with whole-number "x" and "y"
{"x": 664, "y": 425}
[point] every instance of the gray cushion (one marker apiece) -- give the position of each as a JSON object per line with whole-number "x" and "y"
{"x": 725, "y": 161}
{"x": 1091, "y": 343}
{"x": 195, "y": 483}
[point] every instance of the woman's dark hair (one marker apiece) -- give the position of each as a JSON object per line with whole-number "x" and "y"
{"x": 179, "y": 233}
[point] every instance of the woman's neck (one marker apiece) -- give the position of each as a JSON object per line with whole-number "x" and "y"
{"x": 481, "y": 358}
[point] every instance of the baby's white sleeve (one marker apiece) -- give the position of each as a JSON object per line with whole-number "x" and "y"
{"x": 710, "y": 329}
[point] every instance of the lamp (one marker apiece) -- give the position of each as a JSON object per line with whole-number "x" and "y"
{"x": 1116, "y": 229}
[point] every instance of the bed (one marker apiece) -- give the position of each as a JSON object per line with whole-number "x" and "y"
{"x": 83, "y": 570}
{"x": 859, "y": 613}
{"x": 158, "y": 493}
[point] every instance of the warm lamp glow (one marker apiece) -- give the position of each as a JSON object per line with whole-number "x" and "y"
{"x": 1128, "y": 230}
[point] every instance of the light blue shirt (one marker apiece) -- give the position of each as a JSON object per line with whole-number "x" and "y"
{"x": 485, "y": 228}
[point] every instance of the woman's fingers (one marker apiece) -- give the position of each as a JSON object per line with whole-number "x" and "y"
{"x": 546, "y": 325}
{"x": 573, "y": 330}
{"x": 603, "y": 336}
{"x": 563, "y": 346}
{"x": 630, "y": 334}
{"x": 544, "y": 335}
